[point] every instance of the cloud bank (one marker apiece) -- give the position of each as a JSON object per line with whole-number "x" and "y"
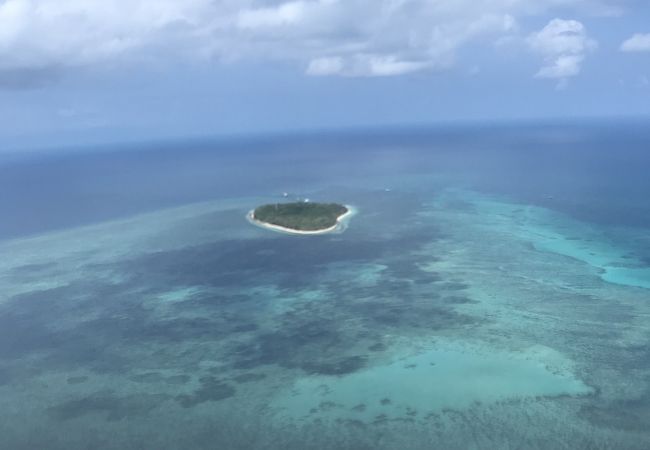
{"x": 564, "y": 45}
{"x": 325, "y": 37}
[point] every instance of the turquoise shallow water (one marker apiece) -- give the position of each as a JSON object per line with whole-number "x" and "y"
{"x": 448, "y": 377}
{"x": 447, "y": 315}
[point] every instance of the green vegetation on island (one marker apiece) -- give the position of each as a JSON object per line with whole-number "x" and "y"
{"x": 300, "y": 216}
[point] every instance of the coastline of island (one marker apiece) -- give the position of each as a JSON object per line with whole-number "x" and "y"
{"x": 341, "y": 224}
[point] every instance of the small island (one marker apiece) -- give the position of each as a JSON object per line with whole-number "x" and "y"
{"x": 300, "y": 217}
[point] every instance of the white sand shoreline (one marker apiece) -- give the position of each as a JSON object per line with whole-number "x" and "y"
{"x": 341, "y": 224}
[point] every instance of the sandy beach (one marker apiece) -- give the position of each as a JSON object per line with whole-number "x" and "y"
{"x": 341, "y": 223}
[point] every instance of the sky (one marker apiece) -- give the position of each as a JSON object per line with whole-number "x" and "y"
{"x": 80, "y": 72}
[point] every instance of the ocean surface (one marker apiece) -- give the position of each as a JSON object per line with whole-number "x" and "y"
{"x": 493, "y": 292}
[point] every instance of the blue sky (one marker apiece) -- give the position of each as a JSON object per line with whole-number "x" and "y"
{"x": 82, "y": 71}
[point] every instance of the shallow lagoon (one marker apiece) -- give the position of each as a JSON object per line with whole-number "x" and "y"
{"x": 417, "y": 387}
{"x": 452, "y": 313}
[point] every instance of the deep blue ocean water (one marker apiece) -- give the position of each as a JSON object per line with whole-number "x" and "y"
{"x": 595, "y": 171}
{"x": 491, "y": 292}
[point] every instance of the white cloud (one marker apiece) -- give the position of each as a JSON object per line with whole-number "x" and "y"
{"x": 364, "y": 66}
{"x": 328, "y": 37}
{"x": 325, "y": 66}
{"x": 564, "y": 45}
{"x": 564, "y": 66}
{"x": 41, "y": 33}
{"x": 284, "y": 14}
{"x": 637, "y": 43}
{"x": 388, "y": 65}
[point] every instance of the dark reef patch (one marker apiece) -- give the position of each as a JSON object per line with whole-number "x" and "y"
{"x": 628, "y": 415}
{"x": 454, "y": 286}
{"x": 211, "y": 390}
{"x": 409, "y": 269}
{"x": 149, "y": 377}
{"x": 105, "y": 402}
{"x": 340, "y": 366}
{"x": 178, "y": 379}
{"x": 301, "y": 337}
{"x": 457, "y": 300}
{"x": 100, "y": 320}
{"x": 77, "y": 380}
{"x": 378, "y": 347}
{"x": 23, "y": 324}
{"x": 228, "y": 263}
{"x": 249, "y": 377}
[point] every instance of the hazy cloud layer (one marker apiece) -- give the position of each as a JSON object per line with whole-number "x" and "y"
{"x": 325, "y": 37}
{"x": 637, "y": 43}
